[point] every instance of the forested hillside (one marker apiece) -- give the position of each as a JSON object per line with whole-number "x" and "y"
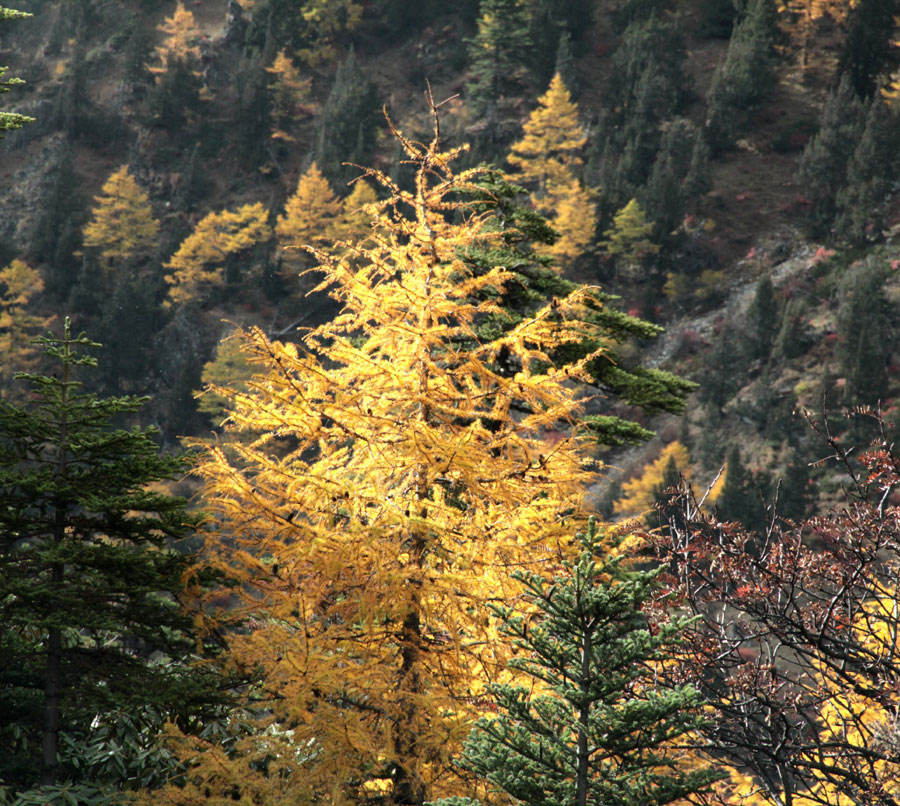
{"x": 500, "y": 338}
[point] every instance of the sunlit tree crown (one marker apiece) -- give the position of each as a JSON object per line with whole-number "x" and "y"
{"x": 384, "y": 476}
{"x": 553, "y": 137}
{"x": 122, "y": 225}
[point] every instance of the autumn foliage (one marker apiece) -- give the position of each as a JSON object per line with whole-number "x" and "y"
{"x": 122, "y": 225}
{"x": 547, "y": 158}
{"x": 311, "y": 217}
{"x": 181, "y": 43}
{"x": 378, "y": 483}
{"x": 795, "y": 645}
{"x": 641, "y": 493}
{"x": 198, "y": 266}
{"x": 291, "y": 96}
{"x": 19, "y": 324}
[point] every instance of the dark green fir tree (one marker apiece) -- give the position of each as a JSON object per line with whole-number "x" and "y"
{"x": 762, "y": 318}
{"x": 865, "y": 336}
{"x": 745, "y": 78}
{"x": 717, "y": 18}
{"x": 616, "y": 379}
{"x": 742, "y": 494}
{"x": 823, "y": 165}
{"x": 498, "y": 54}
{"x": 720, "y": 376}
{"x": 57, "y": 236}
{"x": 869, "y": 51}
{"x": 679, "y": 174}
{"x": 565, "y": 64}
{"x": 795, "y": 490}
{"x": 793, "y": 337}
{"x": 668, "y": 512}
{"x": 91, "y": 620}
{"x": 871, "y": 172}
{"x": 346, "y": 127}
{"x": 602, "y": 730}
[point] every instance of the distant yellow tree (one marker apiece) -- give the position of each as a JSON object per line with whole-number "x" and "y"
{"x": 857, "y": 715}
{"x": 800, "y": 17}
{"x": 311, "y": 218}
{"x": 573, "y": 214}
{"x": 629, "y": 237}
{"x": 229, "y": 367}
{"x": 291, "y": 99}
{"x": 198, "y": 265}
{"x": 323, "y": 21}
{"x": 19, "y": 284}
{"x": 639, "y": 494}
{"x": 397, "y": 475}
{"x": 181, "y": 42}
{"x": 122, "y": 224}
{"x": 547, "y": 158}
{"x": 356, "y": 217}
{"x": 550, "y": 150}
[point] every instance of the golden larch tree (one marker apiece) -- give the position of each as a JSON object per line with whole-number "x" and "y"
{"x": 198, "y": 266}
{"x": 122, "y": 225}
{"x": 547, "y": 158}
{"x": 384, "y": 477}
{"x": 356, "y": 218}
{"x": 628, "y": 239}
{"x": 857, "y": 716}
{"x": 291, "y": 99}
{"x": 571, "y": 210}
{"x": 19, "y": 284}
{"x": 639, "y": 494}
{"x": 181, "y": 40}
{"x": 550, "y": 150}
{"x": 311, "y": 218}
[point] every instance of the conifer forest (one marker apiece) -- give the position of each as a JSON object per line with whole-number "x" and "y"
{"x": 452, "y": 402}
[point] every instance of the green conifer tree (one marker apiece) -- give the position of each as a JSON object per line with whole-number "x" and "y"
{"x": 721, "y": 372}
{"x": 591, "y": 724}
{"x": 745, "y": 78}
{"x": 868, "y": 50}
{"x": 864, "y": 333}
{"x": 792, "y": 339}
{"x": 667, "y": 511}
{"x": 58, "y": 234}
{"x": 11, "y": 120}
{"x": 565, "y": 63}
{"x": 347, "y": 123}
{"x": 794, "y": 494}
{"x": 763, "y": 317}
{"x": 871, "y": 172}
{"x": 648, "y": 84}
{"x": 717, "y": 18}
{"x": 656, "y": 43}
{"x": 89, "y": 586}
{"x": 678, "y": 175}
{"x": 498, "y": 53}
{"x": 823, "y": 165}
{"x": 741, "y": 499}
{"x": 617, "y": 379}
